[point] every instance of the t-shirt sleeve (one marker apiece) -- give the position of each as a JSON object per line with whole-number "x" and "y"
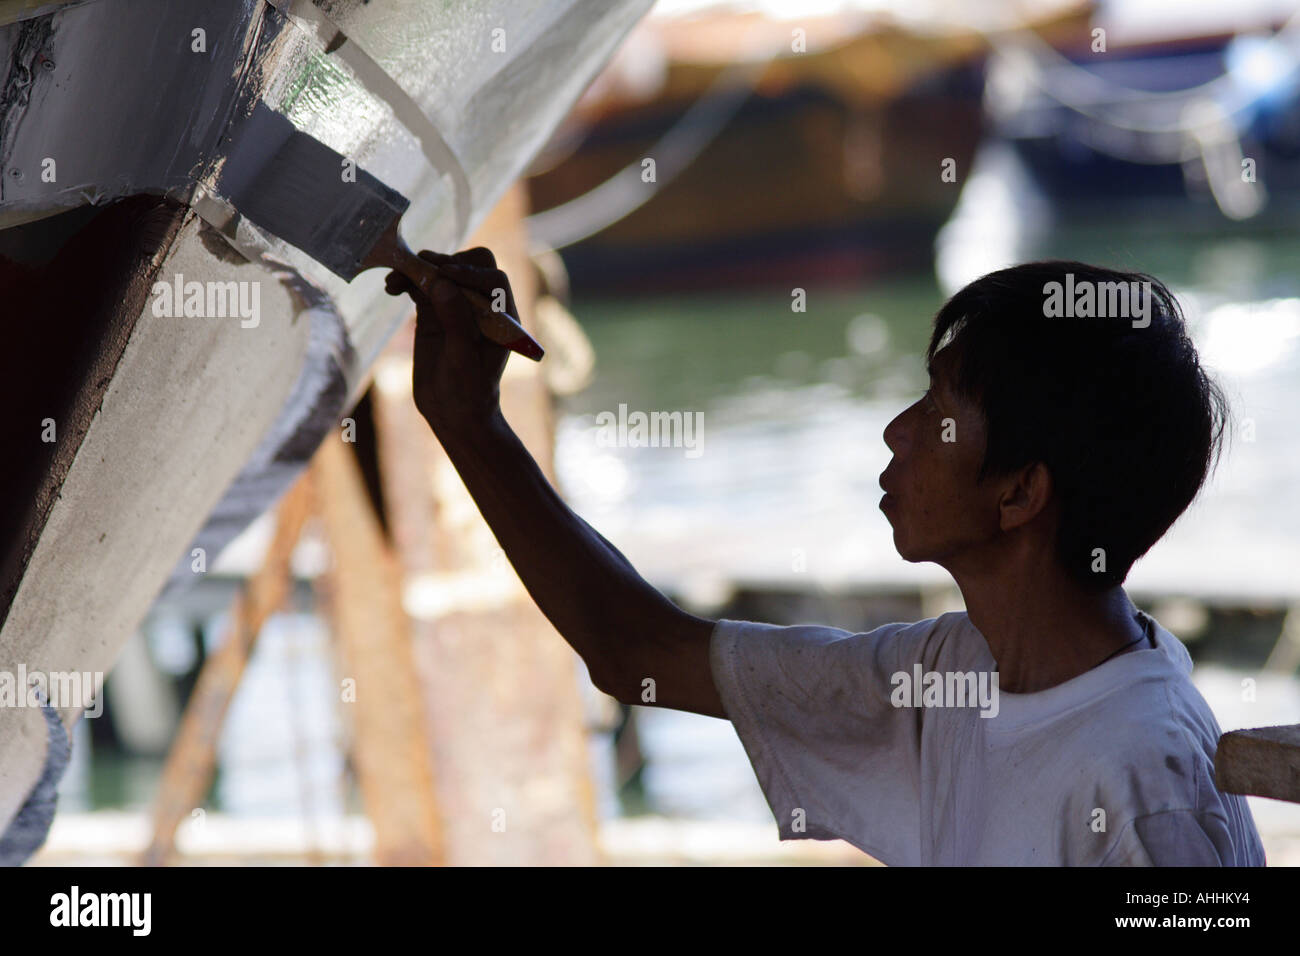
{"x": 811, "y": 705}
{"x": 1173, "y": 838}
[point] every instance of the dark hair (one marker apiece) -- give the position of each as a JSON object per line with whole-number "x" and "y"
{"x": 1125, "y": 419}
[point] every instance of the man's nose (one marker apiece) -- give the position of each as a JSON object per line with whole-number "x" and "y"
{"x": 896, "y": 433}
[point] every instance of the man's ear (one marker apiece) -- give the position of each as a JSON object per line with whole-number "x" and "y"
{"x": 1027, "y": 494}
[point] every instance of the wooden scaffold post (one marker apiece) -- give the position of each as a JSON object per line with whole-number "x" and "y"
{"x": 391, "y": 749}
{"x": 191, "y": 760}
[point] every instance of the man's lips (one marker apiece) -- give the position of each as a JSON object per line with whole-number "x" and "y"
{"x": 889, "y": 499}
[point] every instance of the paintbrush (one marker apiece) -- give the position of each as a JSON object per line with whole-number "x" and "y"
{"x": 294, "y": 187}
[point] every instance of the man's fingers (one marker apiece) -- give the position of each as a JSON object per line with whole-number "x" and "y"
{"x": 395, "y": 283}
{"x": 472, "y": 269}
{"x": 479, "y": 256}
{"x": 486, "y": 280}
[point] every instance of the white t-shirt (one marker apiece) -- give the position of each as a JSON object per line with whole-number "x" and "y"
{"x": 1113, "y": 767}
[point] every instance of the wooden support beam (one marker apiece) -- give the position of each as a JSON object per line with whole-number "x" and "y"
{"x": 506, "y": 721}
{"x": 391, "y": 749}
{"x": 187, "y": 773}
{"x": 1261, "y": 762}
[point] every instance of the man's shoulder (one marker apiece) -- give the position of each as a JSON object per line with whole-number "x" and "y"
{"x": 837, "y": 654}
{"x": 940, "y": 628}
{"x": 947, "y": 641}
{"x": 1151, "y": 746}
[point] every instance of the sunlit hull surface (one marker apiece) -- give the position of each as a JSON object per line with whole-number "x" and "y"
{"x": 174, "y": 426}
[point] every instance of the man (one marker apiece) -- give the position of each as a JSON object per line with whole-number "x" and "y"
{"x": 1067, "y": 425}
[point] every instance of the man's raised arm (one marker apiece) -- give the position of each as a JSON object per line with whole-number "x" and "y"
{"x": 623, "y": 628}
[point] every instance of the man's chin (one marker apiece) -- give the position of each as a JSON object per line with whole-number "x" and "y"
{"x": 900, "y": 545}
{"x": 909, "y": 552}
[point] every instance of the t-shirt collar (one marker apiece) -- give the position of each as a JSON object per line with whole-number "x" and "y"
{"x": 1016, "y": 711}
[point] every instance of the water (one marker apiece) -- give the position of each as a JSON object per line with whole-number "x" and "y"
{"x": 793, "y": 406}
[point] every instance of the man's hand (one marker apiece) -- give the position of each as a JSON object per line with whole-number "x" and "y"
{"x": 457, "y": 372}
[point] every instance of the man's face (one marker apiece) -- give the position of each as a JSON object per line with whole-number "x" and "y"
{"x": 937, "y": 509}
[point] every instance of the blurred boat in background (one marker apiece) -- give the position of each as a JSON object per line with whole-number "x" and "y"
{"x": 1189, "y": 116}
{"x": 724, "y": 148}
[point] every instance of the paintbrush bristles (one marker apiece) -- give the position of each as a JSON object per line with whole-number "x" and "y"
{"x": 293, "y": 186}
